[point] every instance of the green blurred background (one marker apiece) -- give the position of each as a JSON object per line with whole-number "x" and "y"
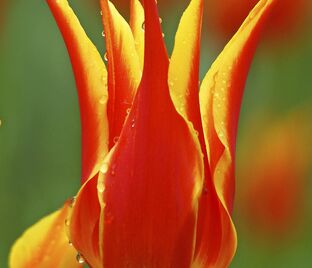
{"x": 40, "y": 130}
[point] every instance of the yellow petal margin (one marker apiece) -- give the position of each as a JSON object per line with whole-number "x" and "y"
{"x": 184, "y": 64}
{"x": 220, "y": 99}
{"x": 91, "y": 80}
{"x": 137, "y": 27}
{"x": 45, "y": 245}
{"x": 124, "y": 73}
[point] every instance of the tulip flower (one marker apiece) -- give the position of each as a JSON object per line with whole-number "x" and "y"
{"x": 157, "y": 155}
{"x": 272, "y": 191}
{"x": 225, "y": 17}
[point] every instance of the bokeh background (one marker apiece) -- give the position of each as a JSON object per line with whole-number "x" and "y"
{"x": 40, "y": 128}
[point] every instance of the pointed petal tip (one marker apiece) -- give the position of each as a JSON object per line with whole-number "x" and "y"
{"x": 220, "y": 98}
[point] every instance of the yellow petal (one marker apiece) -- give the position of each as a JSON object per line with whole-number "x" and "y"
{"x": 91, "y": 80}
{"x": 221, "y": 94}
{"x": 124, "y": 73}
{"x": 45, "y": 245}
{"x": 137, "y": 27}
{"x": 184, "y": 64}
{"x": 220, "y": 98}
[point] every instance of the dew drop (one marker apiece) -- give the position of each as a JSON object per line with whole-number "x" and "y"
{"x": 143, "y": 26}
{"x": 67, "y": 222}
{"x": 160, "y": 20}
{"x": 102, "y": 100}
{"x": 104, "y": 168}
{"x": 103, "y": 33}
{"x": 101, "y": 13}
{"x": 105, "y": 56}
{"x": 100, "y": 186}
{"x": 163, "y": 35}
{"x": 108, "y": 218}
{"x": 196, "y": 133}
{"x": 132, "y": 123}
{"x": 115, "y": 140}
{"x": 72, "y": 201}
{"x": 80, "y": 258}
{"x": 70, "y": 243}
{"x": 128, "y": 110}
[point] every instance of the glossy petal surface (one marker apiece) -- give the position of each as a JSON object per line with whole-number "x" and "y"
{"x": 124, "y": 71}
{"x": 45, "y": 245}
{"x": 184, "y": 64}
{"x": 150, "y": 182}
{"x": 137, "y": 26}
{"x": 220, "y": 98}
{"x": 91, "y": 80}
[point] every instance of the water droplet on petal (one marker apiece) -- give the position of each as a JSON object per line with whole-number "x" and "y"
{"x": 102, "y": 100}
{"x": 67, "y": 222}
{"x": 72, "y": 201}
{"x": 115, "y": 140}
{"x": 132, "y": 123}
{"x": 104, "y": 168}
{"x": 143, "y": 26}
{"x": 100, "y": 186}
{"x": 103, "y": 33}
{"x": 105, "y": 56}
{"x": 160, "y": 20}
{"x": 80, "y": 258}
{"x": 128, "y": 110}
{"x": 70, "y": 243}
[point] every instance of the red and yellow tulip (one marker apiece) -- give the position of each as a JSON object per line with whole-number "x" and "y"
{"x": 157, "y": 157}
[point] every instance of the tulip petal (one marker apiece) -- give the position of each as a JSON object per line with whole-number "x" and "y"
{"x": 137, "y": 27}
{"x": 91, "y": 80}
{"x": 151, "y": 180}
{"x": 124, "y": 71}
{"x": 220, "y": 98}
{"x": 184, "y": 64}
{"x": 84, "y": 223}
{"x": 45, "y": 245}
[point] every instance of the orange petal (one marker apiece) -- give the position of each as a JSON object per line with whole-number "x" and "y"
{"x": 151, "y": 180}
{"x": 124, "y": 71}
{"x": 137, "y": 27}
{"x": 184, "y": 64}
{"x": 220, "y": 99}
{"x": 91, "y": 80}
{"x": 84, "y": 223}
{"x": 45, "y": 245}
